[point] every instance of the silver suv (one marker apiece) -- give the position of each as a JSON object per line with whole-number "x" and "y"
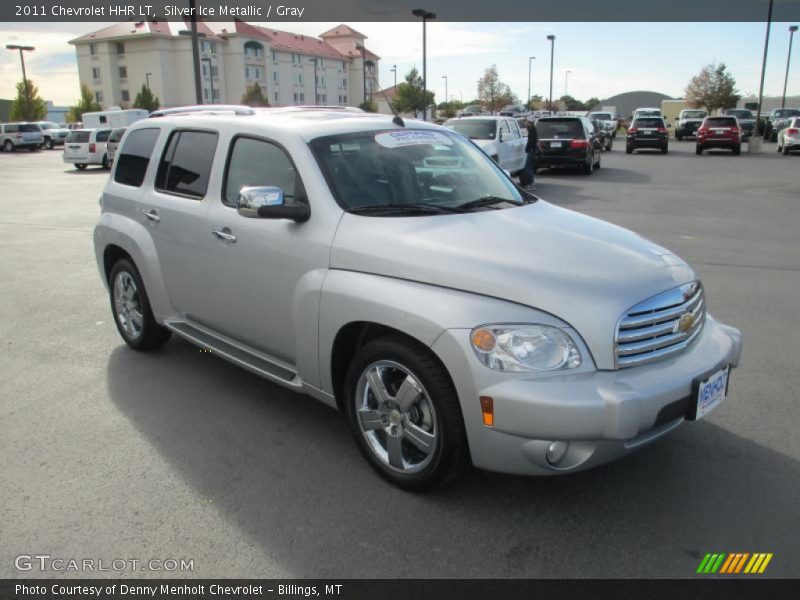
{"x": 20, "y": 135}
{"x": 393, "y": 271}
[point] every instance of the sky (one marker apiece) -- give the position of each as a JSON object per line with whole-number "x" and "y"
{"x": 603, "y": 58}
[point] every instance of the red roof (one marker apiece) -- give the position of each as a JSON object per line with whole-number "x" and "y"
{"x": 121, "y": 30}
{"x": 342, "y": 31}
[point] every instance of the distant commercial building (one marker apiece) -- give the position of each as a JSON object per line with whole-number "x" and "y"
{"x": 291, "y": 69}
{"x": 768, "y": 102}
{"x": 625, "y": 104}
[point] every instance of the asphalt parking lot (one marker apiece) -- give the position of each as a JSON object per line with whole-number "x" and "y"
{"x": 108, "y": 453}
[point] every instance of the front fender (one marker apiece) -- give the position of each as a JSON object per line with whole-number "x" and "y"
{"x": 420, "y": 310}
{"x": 133, "y": 238}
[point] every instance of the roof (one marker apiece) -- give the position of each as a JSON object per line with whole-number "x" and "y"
{"x": 388, "y": 93}
{"x": 308, "y": 123}
{"x": 334, "y": 47}
{"x": 342, "y": 31}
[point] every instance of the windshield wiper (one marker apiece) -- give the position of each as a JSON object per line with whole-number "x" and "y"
{"x": 487, "y": 201}
{"x": 401, "y": 208}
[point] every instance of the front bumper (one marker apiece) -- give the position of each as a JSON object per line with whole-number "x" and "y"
{"x": 602, "y": 414}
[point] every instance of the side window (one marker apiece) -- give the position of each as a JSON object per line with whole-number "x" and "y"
{"x": 134, "y": 157}
{"x": 186, "y": 164}
{"x": 256, "y": 162}
{"x": 12, "y": 128}
{"x": 514, "y": 129}
{"x": 102, "y": 135}
{"x": 505, "y": 131}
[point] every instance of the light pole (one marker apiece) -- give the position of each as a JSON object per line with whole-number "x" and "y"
{"x": 425, "y": 16}
{"x": 445, "y": 89}
{"x": 394, "y": 70}
{"x": 566, "y": 81}
{"x": 198, "y": 91}
{"x": 316, "y": 95}
{"x": 530, "y": 60}
{"x": 552, "y": 39}
{"x": 763, "y": 67}
{"x": 147, "y": 79}
{"x": 22, "y": 60}
{"x": 792, "y": 29}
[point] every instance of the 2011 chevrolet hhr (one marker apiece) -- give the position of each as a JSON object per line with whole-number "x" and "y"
{"x": 392, "y": 270}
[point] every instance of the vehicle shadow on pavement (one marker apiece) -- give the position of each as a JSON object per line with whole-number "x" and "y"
{"x": 283, "y": 468}
{"x": 87, "y": 171}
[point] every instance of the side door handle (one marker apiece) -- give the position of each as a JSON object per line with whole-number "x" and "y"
{"x": 152, "y": 215}
{"x": 225, "y": 234}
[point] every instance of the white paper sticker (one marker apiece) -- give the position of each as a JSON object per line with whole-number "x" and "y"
{"x": 411, "y": 137}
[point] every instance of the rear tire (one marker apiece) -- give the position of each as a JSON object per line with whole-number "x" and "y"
{"x": 588, "y": 168}
{"x": 80, "y": 166}
{"x": 737, "y": 150}
{"x": 628, "y": 150}
{"x": 130, "y": 308}
{"x": 785, "y": 151}
{"x": 698, "y": 150}
{"x": 416, "y": 402}
{"x": 665, "y": 149}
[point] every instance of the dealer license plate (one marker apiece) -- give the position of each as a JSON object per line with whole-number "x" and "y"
{"x": 709, "y": 393}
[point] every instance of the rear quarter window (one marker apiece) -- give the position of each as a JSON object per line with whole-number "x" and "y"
{"x": 134, "y": 157}
{"x": 116, "y": 135}
{"x": 102, "y": 135}
{"x": 29, "y": 128}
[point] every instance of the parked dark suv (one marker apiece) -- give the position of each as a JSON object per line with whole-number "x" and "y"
{"x": 568, "y": 142}
{"x": 747, "y": 120}
{"x": 719, "y": 132}
{"x": 647, "y": 132}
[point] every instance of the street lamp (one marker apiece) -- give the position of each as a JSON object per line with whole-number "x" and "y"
{"x": 445, "y": 89}
{"x": 530, "y": 60}
{"x": 147, "y": 79}
{"x": 763, "y": 67}
{"x": 22, "y": 60}
{"x": 316, "y": 95}
{"x": 394, "y": 70}
{"x": 792, "y": 29}
{"x": 552, "y": 39}
{"x": 198, "y": 92}
{"x": 566, "y": 81}
{"x": 425, "y": 16}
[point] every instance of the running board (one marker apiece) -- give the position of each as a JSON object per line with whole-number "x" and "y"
{"x": 238, "y": 353}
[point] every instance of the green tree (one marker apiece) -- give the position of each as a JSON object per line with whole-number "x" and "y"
{"x": 86, "y": 104}
{"x": 254, "y": 96}
{"x": 714, "y": 87}
{"x": 27, "y": 106}
{"x": 493, "y": 93}
{"x": 570, "y": 103}
{"x": 534, "y": 102}
{"x": 369, "y": 105}
{"x": 408, "y": 97}
{"x": 146, "y": 100}
{"x": 591, "y": 103}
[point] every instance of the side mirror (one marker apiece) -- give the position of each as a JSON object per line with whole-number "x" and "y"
{"x": 268, "y": 202}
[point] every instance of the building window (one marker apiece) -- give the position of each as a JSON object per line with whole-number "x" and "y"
{"x": 126, "y": 95}
{"x": 298, "y": 78}
{"x": 98, "y": 96}
{"x": 252, "y": 72}
{"x": 96, "y": 73}
{"x": 123, "y": 72}
{"x": 344, "y": 83}
{"x": 322, "y": 80}
{"x": 296, "y": 59}
{"x": 275, "y": 77}
{"x": 253, "y": 50}
{"x": 206, "y": 94}
{"x": 322, "y": 98}
{"x": 274, "y": 56}
{"x": 205, "y": 70}
{"x": 93, "y": 49}
{"x": 208, "y": 47}
{"x": 321, "y": 63}
{"x": 120, "y": 48}
{"x": 214, "y": 71}
{"x": 276, "y": 97}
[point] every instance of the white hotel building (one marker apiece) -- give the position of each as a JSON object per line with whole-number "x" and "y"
{"x": 116, "y": 61}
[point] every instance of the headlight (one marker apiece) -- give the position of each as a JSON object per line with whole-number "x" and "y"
{"x": 520, "y": 348}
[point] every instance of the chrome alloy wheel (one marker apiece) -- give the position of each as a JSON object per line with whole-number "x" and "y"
{"x": 127, "y": 305}
{"x": 396, "y": 416}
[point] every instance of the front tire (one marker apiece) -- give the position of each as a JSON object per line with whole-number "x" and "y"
{"x": 8, "y": 146}
{"x": 131, "y": 309}
{"x": 404, "y": 414}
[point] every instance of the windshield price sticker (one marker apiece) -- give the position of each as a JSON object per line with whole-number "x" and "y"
{"x": 398, "y": 139}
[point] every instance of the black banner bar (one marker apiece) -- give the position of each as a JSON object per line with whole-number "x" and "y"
{"x": 705, "y": 587}
{"x": 400, "y": 10}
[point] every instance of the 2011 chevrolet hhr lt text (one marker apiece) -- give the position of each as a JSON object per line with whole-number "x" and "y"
{"x": 394, "y": 271}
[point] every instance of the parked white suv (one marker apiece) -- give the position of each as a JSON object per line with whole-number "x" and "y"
{"x": 87, "y": 147}
{"x": 395, "y": 272}
{"x": 499, "y": 137}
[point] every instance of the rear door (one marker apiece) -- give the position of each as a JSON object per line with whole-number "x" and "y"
{"x": 76, "y": 147}
{"x": 31, "y": 133}
{"x": 517, "y": 153}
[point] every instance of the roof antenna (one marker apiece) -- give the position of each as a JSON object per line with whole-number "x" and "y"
{"x": 398, "y": 120}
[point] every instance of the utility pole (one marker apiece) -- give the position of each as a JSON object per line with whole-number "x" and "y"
{"x": 425, "y": 15}
{"x": 530, "y": 61}
{"x": 24, "y": 76}
{"x": 763, "y": 66}
{"x": 552, "y": 39}
{"x": 792, "y": 29}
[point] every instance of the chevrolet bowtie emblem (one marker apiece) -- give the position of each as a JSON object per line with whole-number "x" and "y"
{"x": 684, "y": 324}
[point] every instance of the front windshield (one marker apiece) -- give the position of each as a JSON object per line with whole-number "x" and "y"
{"x": 694, "y": 114}
{"x": 601, "y": 116}
{"x": 417, "y": 167}
{"x": 787, "y": 112}
{"x": 474, "y": 129}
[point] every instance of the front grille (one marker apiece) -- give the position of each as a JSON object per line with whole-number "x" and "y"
{"x": 661, "y": 326}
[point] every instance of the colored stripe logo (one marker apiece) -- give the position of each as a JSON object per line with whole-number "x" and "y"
{"x": 735, "y": 563}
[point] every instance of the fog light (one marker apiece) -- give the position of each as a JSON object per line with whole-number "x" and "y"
{"x": 556, "y": 451}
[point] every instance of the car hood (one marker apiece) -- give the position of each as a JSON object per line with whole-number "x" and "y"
{"x": 585, "y": 271}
